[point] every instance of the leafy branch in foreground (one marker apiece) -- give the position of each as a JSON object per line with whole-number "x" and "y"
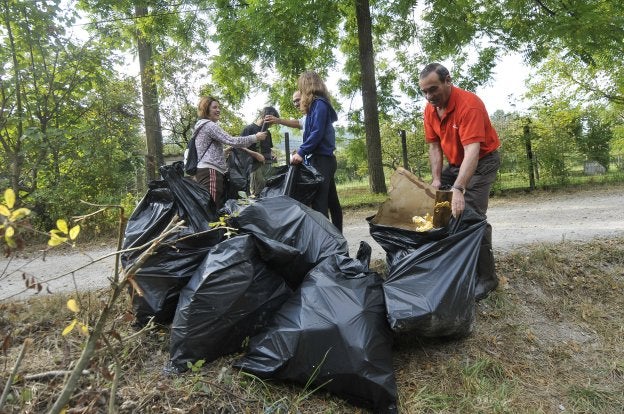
{"x": 13, "y": 221}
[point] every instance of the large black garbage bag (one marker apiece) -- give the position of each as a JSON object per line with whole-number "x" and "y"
{"x": 165, "y": 272}
{"x": 193, "y": 201}
{"x": 240, "y": 166}
{"x": 429, "y": 290}
{"x": 332, "y": 331}
{"x": 300, "y": 182}
{"x": 149, "y": 218}
{"x": 397, "y": 242}
{"x": 289, "y": 222}
{"x": 230, "y": 297}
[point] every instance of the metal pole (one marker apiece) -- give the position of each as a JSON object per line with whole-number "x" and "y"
{"x": 287, "y": 147}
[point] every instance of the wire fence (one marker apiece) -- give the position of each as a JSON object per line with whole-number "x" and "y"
{"x": 515, "y": 174}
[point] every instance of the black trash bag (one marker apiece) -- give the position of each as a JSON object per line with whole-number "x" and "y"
{"x": 232, "y": 295}
{"x": 195, "y": 206}
{"x": 233, "y": 206}
{"x": 430, "y": 290}
{"x": 164, "y": 273}
{"x": 240, "y": 166}
{"x": 364, "y": 253}
{"x": 397, "y": 242}
{"x": 300, "y": 182}
{"x": 333, "y": 331}
{"x": 289, "y": 222}
{"x": 149, "y": 218}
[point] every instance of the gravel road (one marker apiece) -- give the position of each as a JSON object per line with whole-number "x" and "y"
{"x": 516, "y": 221}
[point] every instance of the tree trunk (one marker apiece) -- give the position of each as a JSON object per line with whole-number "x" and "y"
{"x": 14, "y": 150}
{"x": 151, "y": 110}
{"x": 376, "y": 180}
{"x": 529, "y": 153}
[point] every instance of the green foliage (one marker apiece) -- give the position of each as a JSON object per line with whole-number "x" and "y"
{"x": 264, "y": 37}
{"x": 71, "y": 128}
{"x": 351, "y": 161}
{"x": 595, "y": 140}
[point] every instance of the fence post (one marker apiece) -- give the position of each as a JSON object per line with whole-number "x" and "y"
{"x": 404, "y": 148}
{"x": 287, "y": 147}
{"x": 529, "y": 152}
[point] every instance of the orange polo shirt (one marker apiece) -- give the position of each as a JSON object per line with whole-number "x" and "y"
{"x": 465, "y": 121}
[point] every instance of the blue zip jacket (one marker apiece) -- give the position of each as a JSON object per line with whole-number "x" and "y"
{"x": 319, "y": 135}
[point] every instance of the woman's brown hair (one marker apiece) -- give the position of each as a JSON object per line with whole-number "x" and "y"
{"x": 310, "y": 85}
{"x": 203, "y": 107}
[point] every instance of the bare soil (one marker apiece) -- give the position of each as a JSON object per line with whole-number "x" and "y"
{"x": 517, "y": 220}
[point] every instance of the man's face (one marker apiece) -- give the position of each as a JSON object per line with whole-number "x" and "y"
{"x": 297, "y": 100}
{"x": 435, "y": 91}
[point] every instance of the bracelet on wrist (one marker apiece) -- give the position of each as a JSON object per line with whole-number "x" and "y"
{"x": 460, "y": 188}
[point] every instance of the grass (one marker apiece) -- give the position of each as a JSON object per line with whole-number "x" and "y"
{"x": 549, "y": 340}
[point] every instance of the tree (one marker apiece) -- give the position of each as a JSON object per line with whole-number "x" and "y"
{"x": 293, "y": 37}
{"x": 46, "y": 101}
{"x": 369, "y": 96}
{"x": 594, "y": 142}
{"x": 162, "y": 34}
{"x": 586, "y": 37}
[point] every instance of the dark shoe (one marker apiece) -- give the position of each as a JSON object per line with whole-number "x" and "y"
{"x": 484, "y": 287}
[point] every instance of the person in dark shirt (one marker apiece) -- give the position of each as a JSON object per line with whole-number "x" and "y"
{"x": 261, "y": 170}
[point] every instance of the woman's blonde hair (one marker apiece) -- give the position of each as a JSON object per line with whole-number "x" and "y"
{"x": 310, "y": 85}
{"x": 203, "y": 107}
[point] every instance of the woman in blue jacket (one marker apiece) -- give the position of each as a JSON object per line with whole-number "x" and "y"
{"x": 319, "y": 142}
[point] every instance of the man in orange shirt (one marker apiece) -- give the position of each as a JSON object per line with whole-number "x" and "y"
{"x": 457, "y": 126}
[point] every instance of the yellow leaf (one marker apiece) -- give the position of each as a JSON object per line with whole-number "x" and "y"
{"x": 4, "y": 210}
{"x": 10, "y": 242}
{"x": 19, "y": 213}
{"x": 56, "y": 240}
{"x": 61, "y": 225}
{"x": 70, "y": 327}
{"x": 10, "y": 231}
{"x": 84, "y": 329}
{"x": 72, "y": 305}
{"x": 9, "y": 197}
{"x": 73, "y": 233}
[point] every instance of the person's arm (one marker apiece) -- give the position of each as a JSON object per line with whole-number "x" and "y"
{"x": 435, "y": 160}
{"x": 217, "y": 133}
{"x": 466, "y": 171}
{"x": 255, "y": 155}
{"x": 291, "y": 123}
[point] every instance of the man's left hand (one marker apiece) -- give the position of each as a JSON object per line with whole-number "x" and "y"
{"x": 458, "y": 205}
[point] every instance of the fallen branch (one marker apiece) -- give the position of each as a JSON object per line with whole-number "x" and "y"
{"x": 7, "y": 388}
{"x": 50, "y": 375}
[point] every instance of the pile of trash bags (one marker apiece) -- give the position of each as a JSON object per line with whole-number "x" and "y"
{"x": 278, "y": 285}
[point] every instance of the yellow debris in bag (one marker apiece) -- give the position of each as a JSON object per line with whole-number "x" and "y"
{"x": 426, "y": 223}
{"x": 423, "y": 223}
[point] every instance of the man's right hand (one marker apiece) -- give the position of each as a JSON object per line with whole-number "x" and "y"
{"x": 261, "y": 136}
{"x": 270, "y": 119}
{"x": 436, "y": 184}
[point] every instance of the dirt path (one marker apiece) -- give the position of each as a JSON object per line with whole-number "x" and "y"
{"x": 516, "y": 221}
{"x": 523, "y": 220}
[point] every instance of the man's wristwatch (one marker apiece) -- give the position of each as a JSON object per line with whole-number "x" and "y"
{"x": 460, "y": 188}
